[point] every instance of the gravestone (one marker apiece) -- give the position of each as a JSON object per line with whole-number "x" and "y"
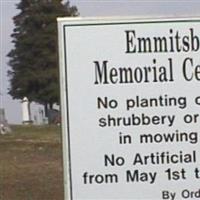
{"x": 26, "y": 113}
{"x": 4, "y": 127}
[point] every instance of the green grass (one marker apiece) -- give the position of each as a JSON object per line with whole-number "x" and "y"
{"x": 31, "y": 164}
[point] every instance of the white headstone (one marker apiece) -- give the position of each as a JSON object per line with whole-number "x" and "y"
{"x": 26, "y": 114}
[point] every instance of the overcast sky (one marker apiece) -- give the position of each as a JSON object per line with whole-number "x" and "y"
{"x": 142, "y": 8}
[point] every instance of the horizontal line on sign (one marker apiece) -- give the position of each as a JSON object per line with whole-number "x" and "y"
{"x": 126, "y": 23}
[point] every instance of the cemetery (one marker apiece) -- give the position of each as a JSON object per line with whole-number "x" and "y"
{"x": 128, "y": 84}
{"x": 30, "y": 154}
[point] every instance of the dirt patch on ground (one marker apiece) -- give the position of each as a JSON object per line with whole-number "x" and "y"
{"x": 31, "y": 164}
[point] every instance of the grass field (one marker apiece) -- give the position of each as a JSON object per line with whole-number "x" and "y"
{"x": 31, "y": 164}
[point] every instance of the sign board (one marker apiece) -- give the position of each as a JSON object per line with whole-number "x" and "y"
{"x": 130, "y": 93}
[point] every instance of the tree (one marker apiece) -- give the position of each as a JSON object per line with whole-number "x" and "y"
{"x": 34, "y": 59}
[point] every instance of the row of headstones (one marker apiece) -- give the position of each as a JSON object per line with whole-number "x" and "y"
{"x": 38, "y": 118}
{"x": 26, "y": 117}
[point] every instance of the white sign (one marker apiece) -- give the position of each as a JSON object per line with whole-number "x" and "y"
{"x": 131, "y": 108}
